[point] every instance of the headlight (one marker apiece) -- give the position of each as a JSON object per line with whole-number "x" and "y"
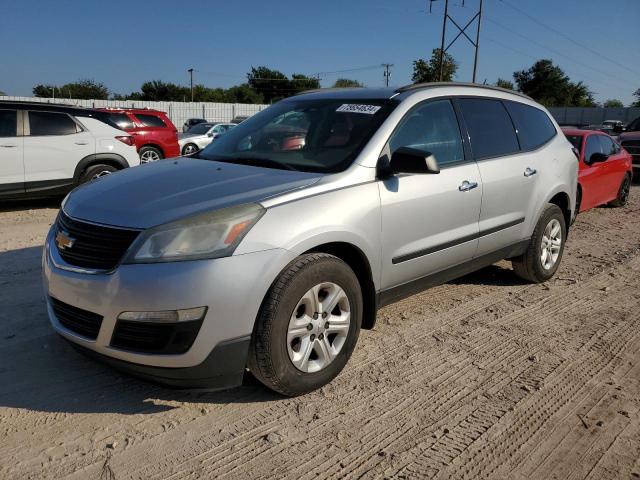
{"x": 208, "y": 235}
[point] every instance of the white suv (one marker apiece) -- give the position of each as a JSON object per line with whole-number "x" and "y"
{"x": 50, "y": 149}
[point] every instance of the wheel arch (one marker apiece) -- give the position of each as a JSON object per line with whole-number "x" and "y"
{"x": 113, "y": 159}
{"x": 563, "y": 201}
{"x": 153, "y": 145}
{"x": 358, "y": 262}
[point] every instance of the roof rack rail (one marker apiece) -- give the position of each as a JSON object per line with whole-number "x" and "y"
{"x": 420, "y": 86}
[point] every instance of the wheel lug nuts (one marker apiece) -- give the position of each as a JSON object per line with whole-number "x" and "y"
{"x": 326, "y": 325}
{"x": 315, "y": 316}
{"x": 313, "y": 337}
{"x": 321, "y": 336}
{"x": 310, "y": 326}
{"x": 324, "y": 314}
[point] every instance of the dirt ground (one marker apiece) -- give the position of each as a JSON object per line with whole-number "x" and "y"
{"x": 483, "y": 377}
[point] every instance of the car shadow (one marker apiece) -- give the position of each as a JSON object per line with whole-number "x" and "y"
{"x": 40, "y": 371}
{"x": 496, "y": 275}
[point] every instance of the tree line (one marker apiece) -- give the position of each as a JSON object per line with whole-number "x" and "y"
{"x": 544, "y": 81}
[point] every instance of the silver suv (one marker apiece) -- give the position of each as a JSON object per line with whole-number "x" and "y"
{"x": 271, "y": 248}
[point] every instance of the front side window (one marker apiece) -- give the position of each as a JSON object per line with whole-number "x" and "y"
{"x": 592, "y": 146}
{"x": 8, "y": 123}
{"x": 51, "y": 123}
{"x": 432, "y": 128}
{"x": 534, "y": 126}
{"x": 122, "y": 120}
{"x": 150, "y": 120}
{"x": 490, "y": 128}
{"x": 323, "y": 135}
{"x": 608, "y": 147}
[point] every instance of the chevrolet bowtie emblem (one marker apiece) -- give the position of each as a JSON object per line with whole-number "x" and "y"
{"x": 64, "y": 241}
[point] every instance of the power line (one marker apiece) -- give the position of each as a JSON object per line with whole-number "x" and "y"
{"x": 567, "y": 37}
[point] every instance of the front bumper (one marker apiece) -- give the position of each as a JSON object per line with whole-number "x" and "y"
{"x": 232, "y": 288}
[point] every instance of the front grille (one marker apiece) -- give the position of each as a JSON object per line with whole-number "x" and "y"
{"x": 94, "y": 246}
{"x": 147, "y": 337}
{"x": 77, "y": 320}
{"x": 633, "y": 147}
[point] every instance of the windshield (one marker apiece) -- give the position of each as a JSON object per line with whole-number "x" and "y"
{"x": 576, "y": 141}
{"x": 309, "y": 135}
{"x": 201, "y": 128}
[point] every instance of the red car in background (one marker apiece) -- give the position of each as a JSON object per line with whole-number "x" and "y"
{"x": 154, "y": 134}
{"x": 605, "y": 171}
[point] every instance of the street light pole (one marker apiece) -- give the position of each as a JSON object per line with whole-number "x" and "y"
{"x": 191, "y": 80}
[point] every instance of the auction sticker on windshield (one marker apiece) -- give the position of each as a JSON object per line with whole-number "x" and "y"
{"x": 357, "y": 108}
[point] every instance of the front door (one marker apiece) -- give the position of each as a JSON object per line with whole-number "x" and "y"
{"x": 429, "y": 221}
{"x": 11, "y": 154}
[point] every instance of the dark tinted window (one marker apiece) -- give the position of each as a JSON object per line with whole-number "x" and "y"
{"x": 121, "y": 120}
{"x": 8, "y": 122}
{"x": 576, "y": 141}
{"x": 608, "y": 147}
{"x": 51, "y": 123}
{"x": 490, "y": 127}
{"x": 592, "y": 146}
{"x": 433, "y": 128}
{"x": 150, "y": 120}
{"x": 533, "y": 125}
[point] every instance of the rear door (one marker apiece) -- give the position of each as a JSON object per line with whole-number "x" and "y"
{"x": 54, "y": 144}
{"x": 592, "y": 175}
{"x": 508, "y": 176}
{"x": 11, "y": 153}
{"x": 615, "y": 167}
{"x": 430, "y": 221}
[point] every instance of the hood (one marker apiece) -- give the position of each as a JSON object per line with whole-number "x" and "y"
{"x": 190, "y": 135}
{"x": 168, "y": 190}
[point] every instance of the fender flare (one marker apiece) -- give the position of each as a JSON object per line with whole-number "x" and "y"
{"x": 108, "y": 158}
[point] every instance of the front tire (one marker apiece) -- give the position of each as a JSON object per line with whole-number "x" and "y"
{"x": 623, "y": 193}
{"x": 543, "y": 255}
{"x": 308, "y": 325}
{"x": 189, "y": 149}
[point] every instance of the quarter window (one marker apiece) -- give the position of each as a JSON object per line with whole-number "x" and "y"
{"x": 490, "y": 128}
{"x": 533, "y": 125}
{"x": 432, "y": 128}
{"x": 122, "y": 120}
{"x": 150, "y": 120}
{"x": 8, "y": 123}
{"x": 51, "y": 123}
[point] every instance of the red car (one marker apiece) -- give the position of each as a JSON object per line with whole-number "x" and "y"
{"x": 605, "y": 171}
{"x": 154, "y": 134}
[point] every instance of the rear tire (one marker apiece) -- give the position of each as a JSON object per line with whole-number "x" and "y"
{"x": 96, "y": 171}
{"x": 189, "y": 149}
{"x": 150, "y": 154}
{"x": 544, "y": 252}
{"x": 300, "y": 341}
{"x": 623, "y": 193}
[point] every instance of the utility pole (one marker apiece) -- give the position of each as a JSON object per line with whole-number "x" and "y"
{"x": 387, "y": 73}
{"x": 191, "y": 80}
{"x": 53, "y": 89}
{"x": 461, "y": 31}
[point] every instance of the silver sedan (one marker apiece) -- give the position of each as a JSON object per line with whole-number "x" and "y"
{"x": 201, "y": 135}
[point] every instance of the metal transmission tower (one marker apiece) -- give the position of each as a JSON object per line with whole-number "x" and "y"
{"x": 461, "y": 31}
{"x": 387, "y": 72}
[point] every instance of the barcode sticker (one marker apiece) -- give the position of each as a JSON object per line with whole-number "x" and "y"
{"x": 357, "y": 108}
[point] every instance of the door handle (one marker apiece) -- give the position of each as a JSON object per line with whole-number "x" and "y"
{"x": 529, "y": 172}
{"x": 8, "y": 145}
{"x": 81, "y": 142}
{"x": 467, "y": 185}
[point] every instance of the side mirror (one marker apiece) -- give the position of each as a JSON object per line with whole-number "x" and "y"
{"x": 598, "y": 158}
{"x": 210, "y": 134}
{"x": 618, "y": 128}
{"x": 412, "y": 160}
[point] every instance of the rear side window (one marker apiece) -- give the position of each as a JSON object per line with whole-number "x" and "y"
{"x": 150, "y": 120}
{"x": 8, "y": 123}
{"x": 576, "y": 141}
{"x": 490, "y": 128}
{"x": 431, "y": 127}
{"x": 121, "y": 120}
{"x": 51, "y": 123}
{"x": 533, "y": 125}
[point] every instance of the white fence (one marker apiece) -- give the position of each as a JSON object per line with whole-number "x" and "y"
{"x": 593, "y": 116}
{"x": 178, "y": 112}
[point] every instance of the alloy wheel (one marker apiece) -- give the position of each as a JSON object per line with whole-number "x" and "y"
{"x": 100, "y": 174}
{"x": 149, "y": 156}
{"x": 318, "y": 327}
{"x": 551, "y": 244}
{"x": 189, "y": 149}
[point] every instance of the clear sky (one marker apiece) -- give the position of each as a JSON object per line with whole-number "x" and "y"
{"x": 123, "y": 43}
